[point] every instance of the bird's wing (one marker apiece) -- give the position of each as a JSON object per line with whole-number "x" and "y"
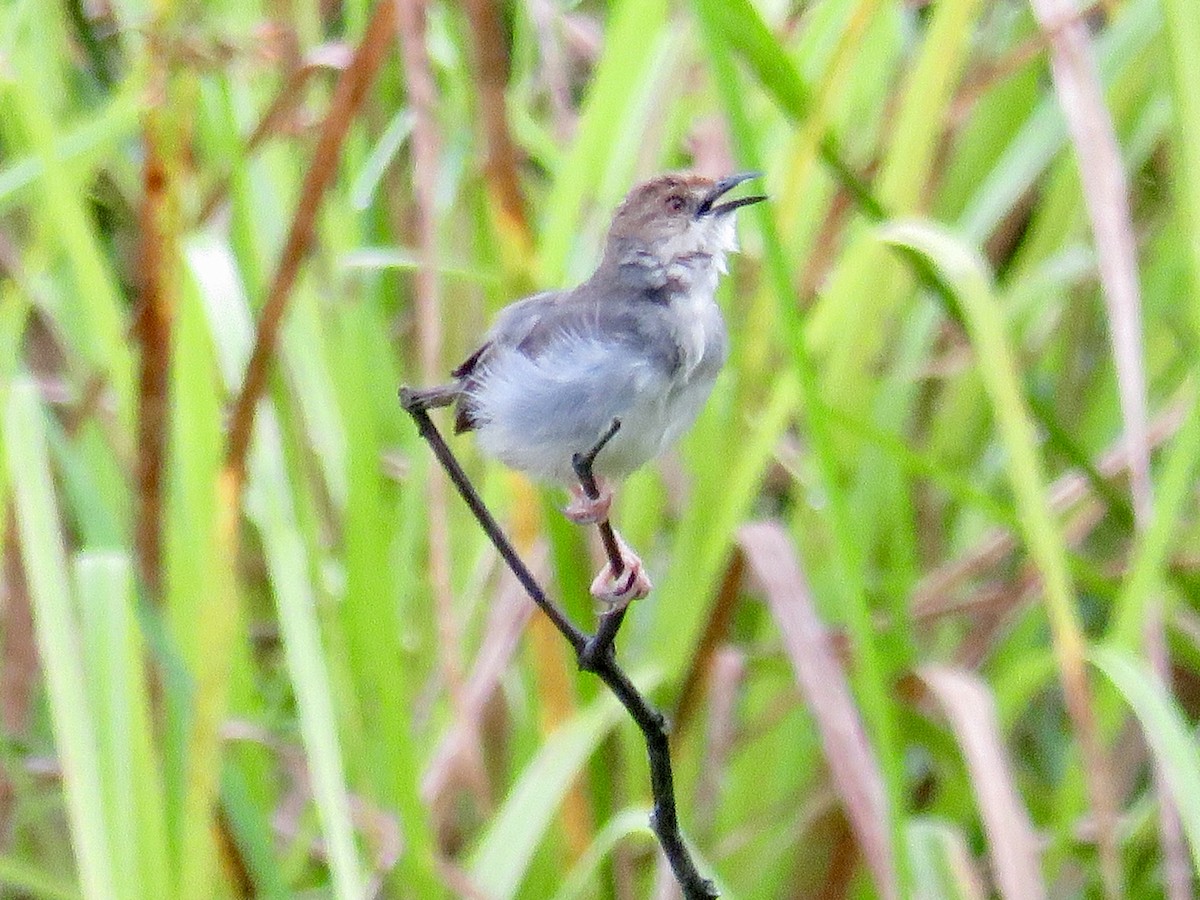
{"x": 535, "y": 327}
{"x": 511, "y": 325}
{"x": 644, "y": 329}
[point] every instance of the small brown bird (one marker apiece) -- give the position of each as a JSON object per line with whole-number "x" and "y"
{"x": 641, "y": 341}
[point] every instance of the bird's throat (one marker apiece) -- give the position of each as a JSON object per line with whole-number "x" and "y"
{"x": 696, "y": 321}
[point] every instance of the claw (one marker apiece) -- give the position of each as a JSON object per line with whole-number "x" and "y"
{"x": 583, "y": 510}
{"x": 617, "y": 591}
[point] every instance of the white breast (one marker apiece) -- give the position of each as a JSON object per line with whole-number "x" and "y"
{"x": 534, "y": 414}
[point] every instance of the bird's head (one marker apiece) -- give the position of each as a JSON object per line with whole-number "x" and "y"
{"x": 675, "y": 223}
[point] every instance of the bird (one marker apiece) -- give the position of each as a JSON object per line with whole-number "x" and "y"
{"x": 641, "y": 342}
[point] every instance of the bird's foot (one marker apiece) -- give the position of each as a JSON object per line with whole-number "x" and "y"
{"x": 618, "y": 591}
{"x": 584, "y": 510}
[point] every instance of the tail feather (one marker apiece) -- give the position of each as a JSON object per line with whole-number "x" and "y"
{"x": 465, "y": 414}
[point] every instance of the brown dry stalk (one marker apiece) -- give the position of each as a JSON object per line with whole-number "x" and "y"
{"x": 335, "y": 57}
{"x": 1106, "y": 197}
{"x": 426, "y": 149}
{"x": 855, "y": 771}
{"x": 152, "y": 331}
{"x": 932, "y": 597}
{"x": 1012, "y": 842}
{"x": 348, "y": 96}
{"x": 491, "y": 64}
{"x": 716, "y": 629}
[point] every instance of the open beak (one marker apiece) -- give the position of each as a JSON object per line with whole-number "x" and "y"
{"x": 710, "y": 207}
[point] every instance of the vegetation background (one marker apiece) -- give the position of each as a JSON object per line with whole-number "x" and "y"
{"x": 916, "y": 567}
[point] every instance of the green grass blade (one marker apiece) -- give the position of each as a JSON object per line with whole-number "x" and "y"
{"x": 1044, "y": 133}
{"x": 942, "y": 863}
{"x": 254, "y": 836}
{"x": 1152, "y": 553}
{"x": 94, "y": 316}
{"x": 21, "y": 876}
{"x": 129, "y": 766}
{"x": 625, "y": 824}
{"x": 289, "y": 567}
{"x": 1183, "y": 43}
{"x": 706, "y": 534}
{"x": 58, "y": 635}
{"x": 633, "y": 26}
{"x": 1166, "y": 730}
{"x": 968, "y": 273}
{"x": 506, "y": 848}
{"x": 77, "y": 147}
{"x": 373, "y": 622}
{"x": 204, "y": 611}
{"x": 271, "y": 505}
{"x": 856, "y": 315}
{"x": 869, "y": 670}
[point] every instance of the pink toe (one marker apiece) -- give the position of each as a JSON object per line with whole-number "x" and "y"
{"x": 585, "y": 510}
{"x": 618, "y": 591}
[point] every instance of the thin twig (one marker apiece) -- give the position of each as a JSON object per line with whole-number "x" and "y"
{"x": 602, "y": 641}
{"x": 664, "y": 820}
{"x": 416, "y": 404}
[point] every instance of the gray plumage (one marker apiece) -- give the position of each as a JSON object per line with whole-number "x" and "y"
{"x": 642, "y": 341}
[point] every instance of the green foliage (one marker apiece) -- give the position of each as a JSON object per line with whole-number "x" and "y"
{"x": 319, "y": 681}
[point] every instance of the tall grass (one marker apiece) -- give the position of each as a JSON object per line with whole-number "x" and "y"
{"x": 923, "y": 671}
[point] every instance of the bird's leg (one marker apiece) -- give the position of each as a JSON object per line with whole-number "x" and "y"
{"x": 591, "y": 499}
{"x": 592, "y": 490}
{"x": 586, "y": 510}
{"x": 624, "y": 579}
{"x": 617, "y": 587}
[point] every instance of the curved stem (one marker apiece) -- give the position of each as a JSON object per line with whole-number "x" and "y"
{"x": 591, "y": 655}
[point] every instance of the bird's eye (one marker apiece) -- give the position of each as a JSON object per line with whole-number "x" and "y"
{"x": 675, "y": 203}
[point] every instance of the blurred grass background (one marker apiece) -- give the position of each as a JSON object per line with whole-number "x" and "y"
{"x": 927, "y": 608}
